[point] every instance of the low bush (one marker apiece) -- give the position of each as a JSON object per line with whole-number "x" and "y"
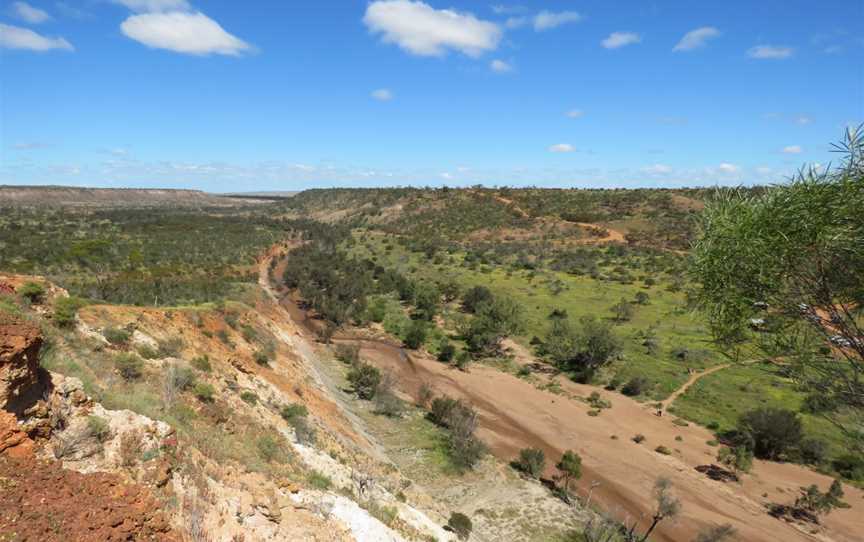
{"x": 98, "y": 428}
{"x": 32, "y": 292}
{"x": 460, "y": 524}
{"x": 129, "y": 366}
{"x": 639, "y": 439}
{"x": 850, "y": 466}
{"x": 204, "y": 392}
{"x": 65, "y": 311}
{"x": 663, "y": 450}
{"x": 365, "y": 379}
{"x": 531, "y": 461}
{"x": 202, "y": 363}
{"x": 116, "y": 336}
{"x": 636, "y": 386}
{"x": 249, "y": 397}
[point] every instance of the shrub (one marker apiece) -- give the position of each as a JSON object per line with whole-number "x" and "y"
{"x": 812, "y": 451}
{"x": 348, "y": 353}
{"x": 475, "y": 297}
{"x": 416, "y": 334}
{"x": 98, "y": 428}
{"x": 531, "y": 461}
{"x": 773, "y": 431}
{"x": 131, "y": 443}
{"x": 116, "y": 336}
{"x": 170, "y": 347}
{"x": 319, "y": 481}
{"x": 460, "y": 524}
{"x": 738, "y": 458}
{"x": 639, "y": 439}
{"x": 147, "y": 352}
{"x": 182, "y": 377}
{"x": 365, "y": 380}
{"x": 32, "y": 291}
{"x": 462, "y": 360}
{"x": 294, "y": 410}
{"x": 850, "y": 466}
{"x": 65, "y": 310}
{"x": 129, "y": 366}
{"x": 202, "y": 363}
{"x": 446, "y": 350}
{"x": 261, "y": 358}
{"x": 635, "y": 386}
{"x": 249, "y": 397}
{"x": 204, "y": 392}
{"x": 663, "y": 450}
{"x": 268, "y": 448}
{"x": 424, "y": 395}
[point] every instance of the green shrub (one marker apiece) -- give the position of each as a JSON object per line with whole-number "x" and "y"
{"x": 261, "y": 358}
{"x": 639, "y": 439}
{"x": 148, "y": 352}
{"x": 771, "y": 432}
{"x": 531, "y": 461}
{"x": 460, "y": 524}
{"x": 65, "y": 310}
{"x": 446, "y": 350}
{"x": 663, "y": 450}
{"x": 249, "y": 333}
{"x": 293, "y": 410}
{"x": 129, "y": 366}
{"x": 204, "y": 392}
{"x": 170, "y": 347}
{"x": 636, "y": 386}
{"x": 116, "y": 336}
{"x": 812, "y": 451}
{"x": 415, "y": 335}
{"x": 182, "y": 377}
{"x": 850, "y": 466}
{"x": 348, "y": 353}
{"x": 32, "y": 291}
{"x": 269, "y": 449}
{"x": 249, "y": 397}
{"x": 98, "y": 428}
{"x": 365, "y": 380}
{"x": 202, "y": 363}
{"x": 319, "y": 481}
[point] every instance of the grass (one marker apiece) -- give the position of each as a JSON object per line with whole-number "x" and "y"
{"x": 673, "y": 324}
{"x": 718, "y": 400}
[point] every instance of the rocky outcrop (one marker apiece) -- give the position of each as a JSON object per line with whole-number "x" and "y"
{"x": 21, "y": 381}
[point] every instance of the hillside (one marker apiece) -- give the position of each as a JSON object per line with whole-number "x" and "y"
{"x": 58, "y": 196}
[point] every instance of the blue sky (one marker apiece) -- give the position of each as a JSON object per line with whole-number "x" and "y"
{"x": 224, "y": 95}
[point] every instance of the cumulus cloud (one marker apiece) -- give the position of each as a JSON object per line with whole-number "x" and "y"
{"x": 621, "y": 39}
{"x": 547, "y": 19}
{"x": 422, "y": 30}
{"x": 575, "y": 114}
{"x": 188, "y": 33}
{"x": 562, "y": 147}
{"x": 658, "y": 169}
{"x": 499, "y": 66}
{"x": 14, "y": 37}
{"x": 149, "y": 6}
{"x": 770, "y": 52}
{"x": 28, "y": 13}
{"x": 726, "y": 167}
{"x": 696, "y": 39}
{"x": 792, "y": 149}
{"x": 382, "y": 94}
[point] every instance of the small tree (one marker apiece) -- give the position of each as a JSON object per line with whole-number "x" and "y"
{"x": 738, "y": 458}
{"x": 531, "y": 461}
{"x": 622, "y": 311}
{"x": 570, "y": 468}
{"x": 446, "y": 350}
{"x": 129, "y": 366}
{"x": 641, "y": 298}
{"x": 667, "y": 507}
{"x": 818, "y": 503}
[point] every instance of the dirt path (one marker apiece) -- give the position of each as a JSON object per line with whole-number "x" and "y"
{"x": 514, "y": 414}
{"x": 690, "y": 381}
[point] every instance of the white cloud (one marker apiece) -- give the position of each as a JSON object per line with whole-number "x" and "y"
{"x": 422, "y": 30}
{"x": 696, "y": 39}
{"x": 575, "y": 114}
{"x": 382, "y": 94}
{"x": 188, "y": 33}
{"x": 30, "y": 146}
{"x": 547, "y": 19}
{"x": 516, "y": 22}
{"x": 499, "y": 66}
{"x": 150, "y": 6}
{"x": 726, "y": 167}
{"x": 562, "y": 147}
{"x": 658, "y": 169}
{"x": 771, "y": 52}
{"x": 26, "y": 12}
{"x": 803, "y": 120}
{"x": 446, "y": 176}
{"x": 792, "y": 149}
{"x": 621, "y": 39}
{"x": 14, "y": 37}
